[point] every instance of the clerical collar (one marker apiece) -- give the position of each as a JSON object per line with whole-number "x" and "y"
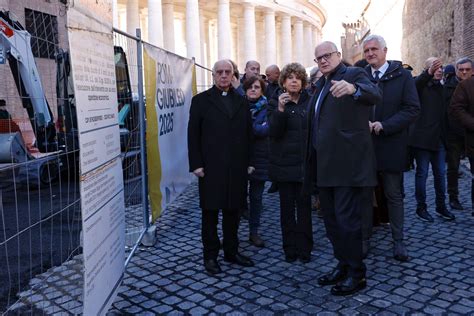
{"x": 224, "y": 93}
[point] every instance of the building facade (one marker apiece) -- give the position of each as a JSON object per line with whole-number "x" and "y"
{"x": 271, "y": 32}
{"x": 46, "y": 22}
{"x": 376, "y": 17}
{"x": 441, "y": 28}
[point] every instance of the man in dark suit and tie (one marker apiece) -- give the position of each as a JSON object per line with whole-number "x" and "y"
{"x": 389, "y": 125}
{"x": 341, "y": 159}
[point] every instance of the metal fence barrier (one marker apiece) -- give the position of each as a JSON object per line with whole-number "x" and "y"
{"x": 40, "y": 213}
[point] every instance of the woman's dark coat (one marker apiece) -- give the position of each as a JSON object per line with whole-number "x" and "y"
{"x": 288, "y": 139}
{"x": 219, "y": 142}
{"x": 261, "y": 145}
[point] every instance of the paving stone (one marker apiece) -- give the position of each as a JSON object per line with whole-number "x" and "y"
{"x": 436, "y": 280}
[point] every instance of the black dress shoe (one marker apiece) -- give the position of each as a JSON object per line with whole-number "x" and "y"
{"x": 306, "y": 258}
{"x": 239, "y": 259}
{"x": 399, "y": 251}
{"x": 455, "y": 204}
{"x": 348, "y": 286}
{"x": 290, "y": 258}
{"x": 333, "y": 277}
{"x": 212, "y": 266}
{"x": 423, "y": 213}
{"x": 444, "y": 213}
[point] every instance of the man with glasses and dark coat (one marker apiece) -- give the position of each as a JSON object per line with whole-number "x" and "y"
{"x": 341, "y": 159}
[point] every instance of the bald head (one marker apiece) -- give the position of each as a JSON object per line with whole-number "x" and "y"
{"x": 222, "y": 73}
{"x": 273, "y": 73}
{"x": 327, "y": 57}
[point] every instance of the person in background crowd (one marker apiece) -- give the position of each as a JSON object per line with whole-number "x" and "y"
{"x": 341, "y": 159}
{"x": 362, "y": 63}
{"x": 455, "y": 132}
{"x": 389, "y": 125}
{"x": 314, "y": 76}
{"x": 428, "y": 140}
{"x": 236, "y": 78}
{"x": 254, "y": 88}
{"x": 273, "y": 73}
{"x": 461, "y": 110}
{"x": 287, "y": 119}
{"x": 252, "y": 68}
{"x": 219, "y": 140}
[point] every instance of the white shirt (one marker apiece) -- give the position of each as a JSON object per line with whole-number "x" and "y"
{"x": 382, "y": 70}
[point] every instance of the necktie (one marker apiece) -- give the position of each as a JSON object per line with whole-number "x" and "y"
{"x": 377, "y": 76}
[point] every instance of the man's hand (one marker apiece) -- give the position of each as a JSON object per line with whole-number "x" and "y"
{"x": 199, "y": 172}
{"x": 341, "y": 88}
{"x": 250, "y": 170}
{"x": 375, "y": 127}
{"x": 235, "y": 82}
{"x": 434, "y": 66}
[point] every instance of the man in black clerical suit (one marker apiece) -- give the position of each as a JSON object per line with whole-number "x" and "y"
{"x": 219, "y": 137}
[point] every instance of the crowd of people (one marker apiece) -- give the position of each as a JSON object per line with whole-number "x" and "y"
{"x": 345, "y": 134}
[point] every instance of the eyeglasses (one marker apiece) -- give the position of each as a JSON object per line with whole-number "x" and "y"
{"x": 325, "y": 57}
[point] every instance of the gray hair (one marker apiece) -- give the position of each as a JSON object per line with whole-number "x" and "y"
{"x": 463, "y": 60}
{"x": 373, "y": 37}
{"x": 220, "y": 62}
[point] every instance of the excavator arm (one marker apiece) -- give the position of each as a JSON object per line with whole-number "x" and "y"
{"x": 16, "y": 44}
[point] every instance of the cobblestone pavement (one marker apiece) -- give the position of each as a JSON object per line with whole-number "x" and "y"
{"x": 170, "y": 278}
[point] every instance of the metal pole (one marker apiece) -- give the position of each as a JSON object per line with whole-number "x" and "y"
{"x": 141, "y": 113}
{"x": 148, "y": 238}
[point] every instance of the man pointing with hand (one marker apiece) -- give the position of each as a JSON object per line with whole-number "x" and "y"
{"x": 340, "y": 158}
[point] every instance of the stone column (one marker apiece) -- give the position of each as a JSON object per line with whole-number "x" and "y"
{"x": 168, "y": 25}
{"x": 133, "y": 18}
{"x": 204, "y": 30}
{"x": 144, "y": 24}
{"x": 249, "y": 33}
{"x": 115, "y": 15}
{"x": 155, "y": 23}
{"x": 278, "y": 40}
{"x": 260, "y": 25}
{"x": 193, "y": 38}
{"x": 298, "y": 54}
{"x": 270, "y": 38}
{"x": 241, "y": 38}
{"x": 286, "y": 42}
{"x": 308, "y": 44}
{"x": 223, "y": 30}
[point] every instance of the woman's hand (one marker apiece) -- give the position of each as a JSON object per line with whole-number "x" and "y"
{"x": 283, "y": 99}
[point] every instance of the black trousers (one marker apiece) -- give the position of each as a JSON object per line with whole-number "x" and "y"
{"x": 210, "y": 238}
{"x": 295, "y": 219}
{"x": 455, "y": 148}
{"x": 342, "y": 208}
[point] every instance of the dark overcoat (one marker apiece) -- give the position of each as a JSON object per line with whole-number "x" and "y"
{"x": 261, "y": 143}
{"x": 220, "y": 142}
{"x": 462, "y": 110}
{"x": 399, "y": 108}
{"x": 430, "y": 127}
{"x": 287, "y": 139}
{"x": 344, "y": 151}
